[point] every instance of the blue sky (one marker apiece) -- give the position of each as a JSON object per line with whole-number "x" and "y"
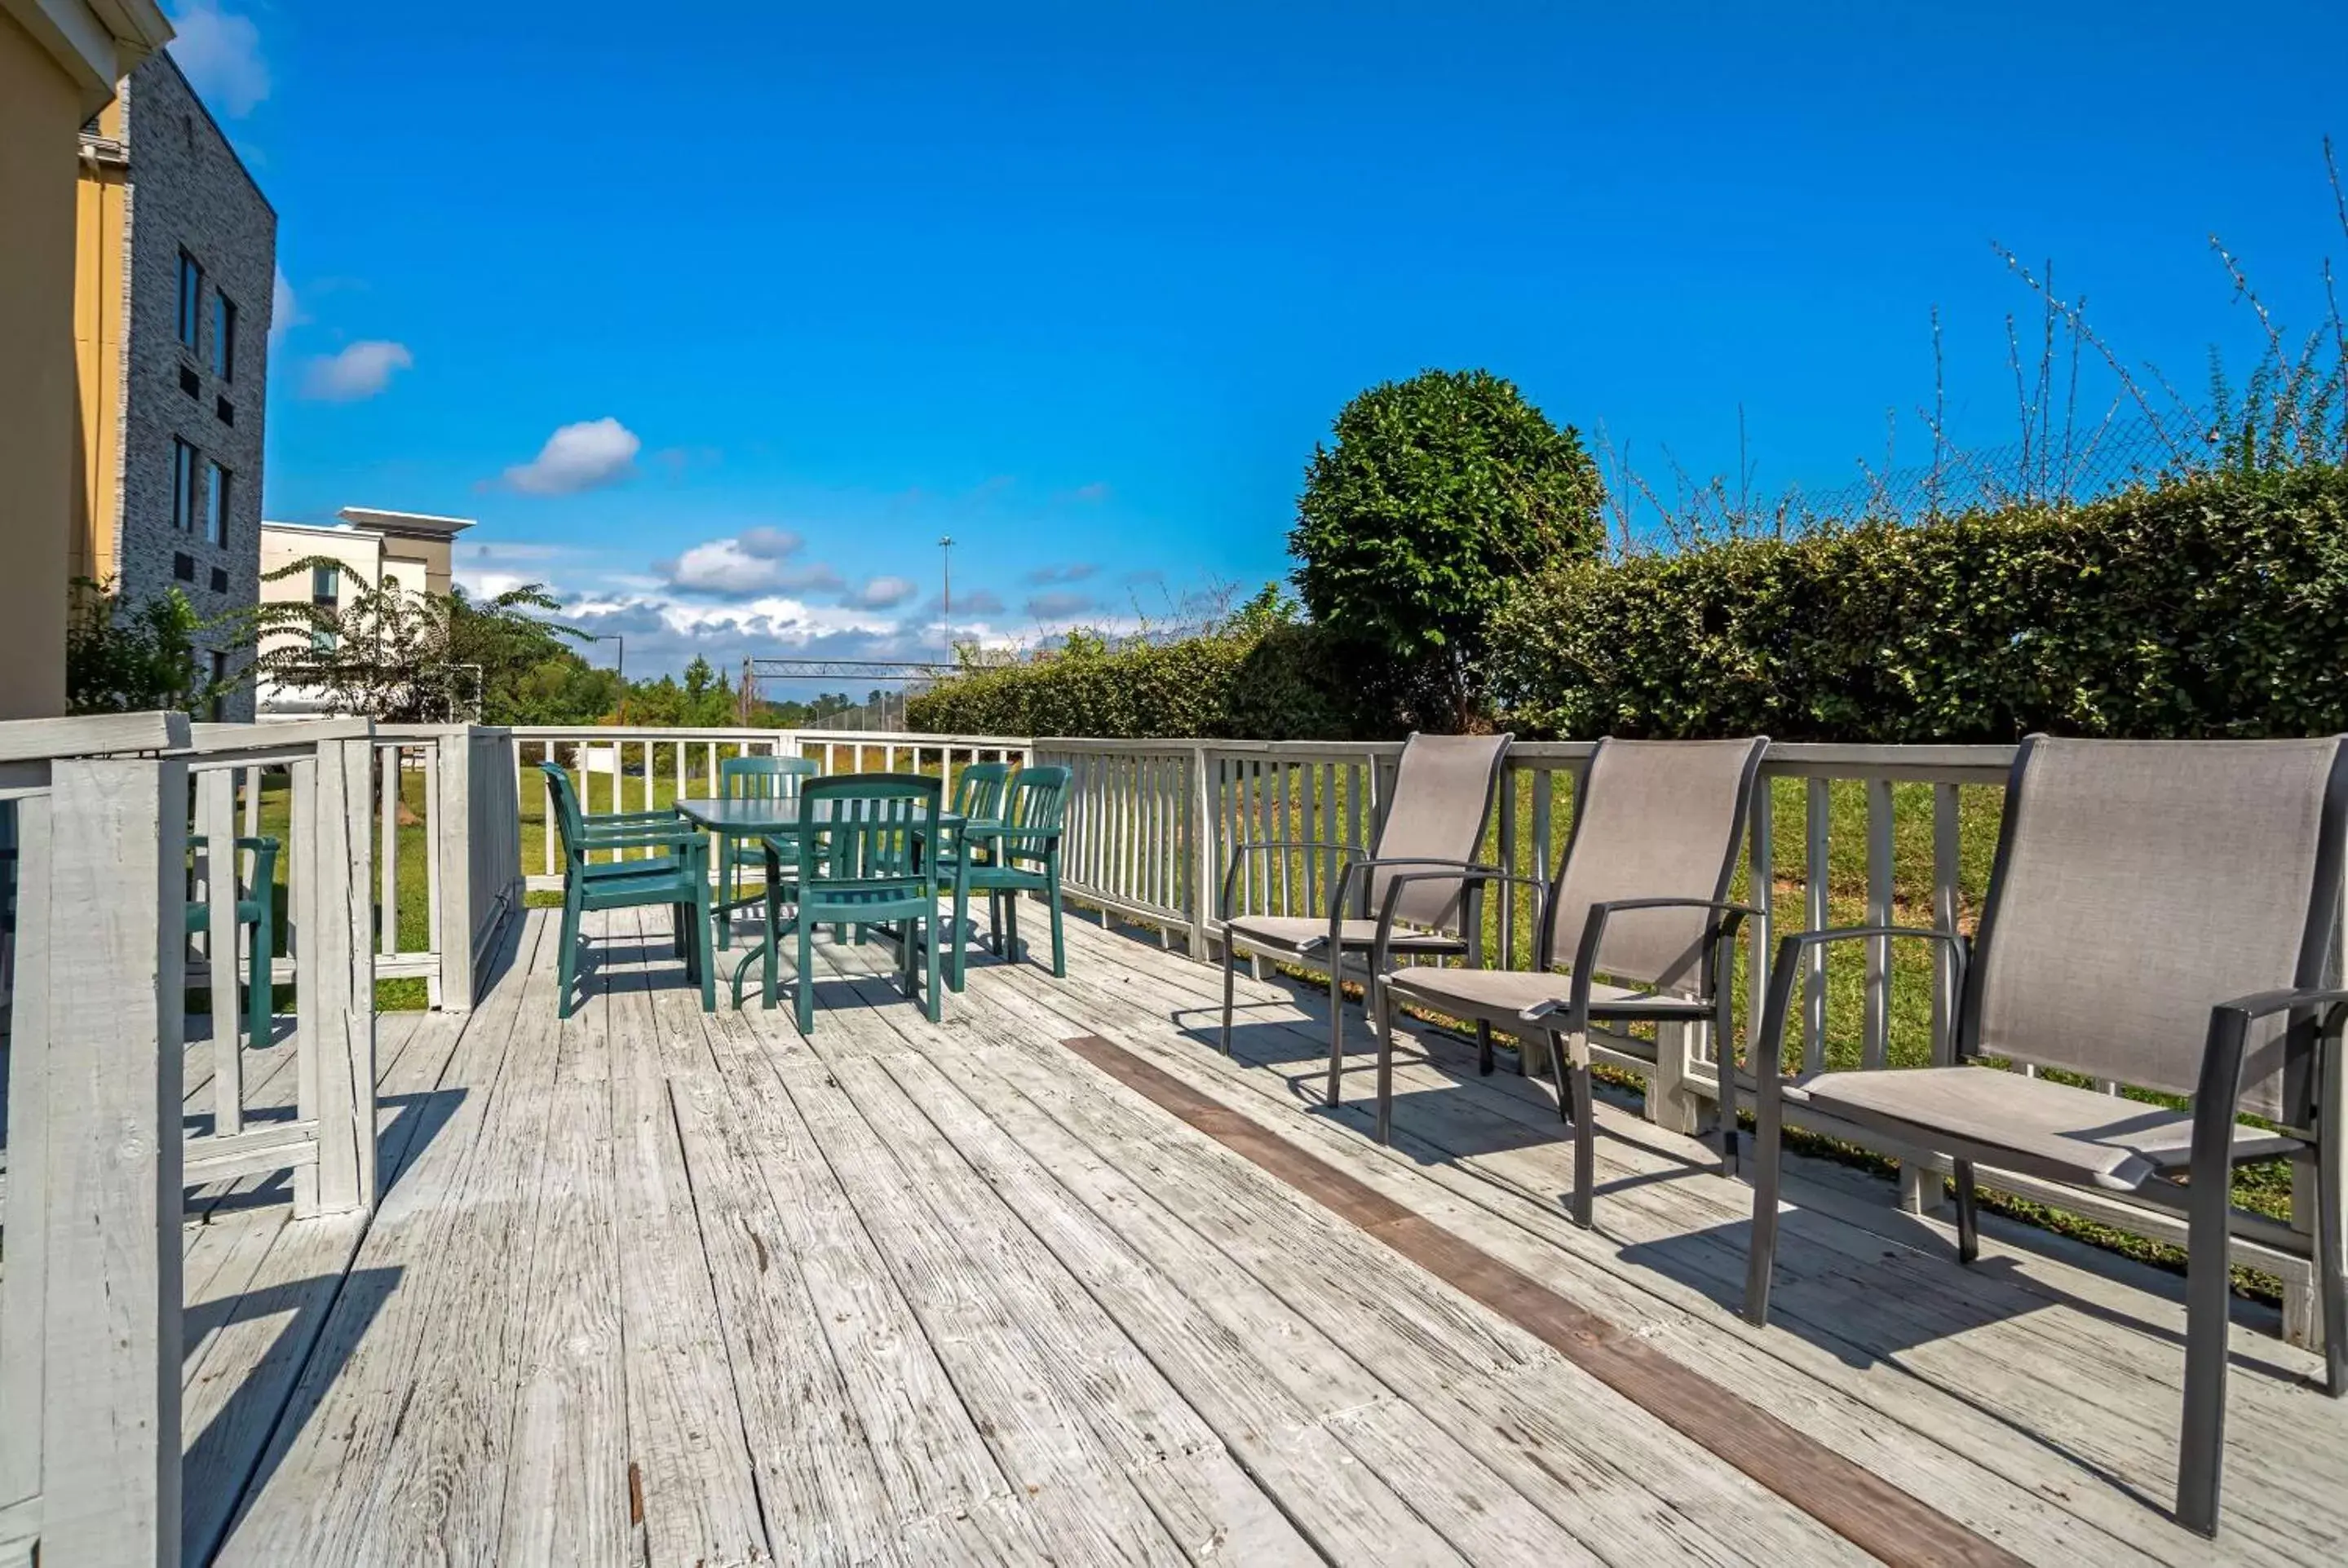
{"x": 717, "y": 317}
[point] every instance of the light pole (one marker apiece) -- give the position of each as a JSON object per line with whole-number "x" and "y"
{"x": 945, "y": 600}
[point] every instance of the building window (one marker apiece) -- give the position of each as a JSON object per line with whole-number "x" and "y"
{"x": 223, "y": 336}
{"x": 220, "y": 580}
{"x": 183, "y": 566}
{"x": 183, "y": 486}
{"x": 220, "y": 684}
{"x": 192, "y": 296}
{"x": 216, "y": 503}
{"x": 324, "y": 584}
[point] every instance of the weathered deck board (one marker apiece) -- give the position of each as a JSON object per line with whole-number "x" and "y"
{"x": 657, "y": 1286}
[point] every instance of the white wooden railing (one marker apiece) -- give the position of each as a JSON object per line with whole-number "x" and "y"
{"x": 100, "y": 1147}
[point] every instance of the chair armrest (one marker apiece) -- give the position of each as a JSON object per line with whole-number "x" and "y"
{"x": 2217, "y": 1099}
{"x": 1593, "y": 935}
{"x": 1470, "y": 874}
{"x": 1239, "y": 852}
{"x": 1765, "y": 1058}
{"x": 688, "y": 838}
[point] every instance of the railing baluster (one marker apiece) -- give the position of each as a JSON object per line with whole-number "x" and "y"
{"x": 1814, "y": 893}
{"x": 1876, "y": 1047}
{"x": 1544, "y": 792}
{"x": 1506, "y": 858}
{"x": 387, "y": 913}
{"x": 216, "y": 812}
{"x": 1761, "y": 891}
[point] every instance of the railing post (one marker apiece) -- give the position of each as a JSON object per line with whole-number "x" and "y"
{"x": 334, "y": 991}
{"x": 1201, "y": 824}
{"x": 455, "y": 897}
{"x": 95, "y": 1161}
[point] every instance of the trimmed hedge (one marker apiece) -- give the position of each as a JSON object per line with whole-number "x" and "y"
{"x": 2216, "y": 606}
{"x": 1287, "y": 681}
{"x": 2212, "y": 606}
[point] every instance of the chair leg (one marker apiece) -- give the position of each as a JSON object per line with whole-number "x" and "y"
{"x": 1557, "y": 1077}
{"x": 1761, "y": 1257}
{"x": 260, "y": 998}
{"x": 2208, "y": 1286}
{"x": 1484, "y": 1047}
{"x": 725, "y": 917}
{"x": 958, "y": 932}
{"x": 2330, "y": 1270}
{"x": 566, "y": 969}
{"x": 1382, "y": 1027}
{"x": 1585, "y": 1138}
{"x": 770, "y": 942}
{"x": 703, "y": 949}
{"x": 1336, "y": 1027}
{"x": 803, "y": 992}
{"x": 1968, "y": 1214}
{"x": 1011, "y": 951}
{"x": 1230, "y": 973}
{"x": 1059, "y": 941}
{"x": 936, "y": 1007}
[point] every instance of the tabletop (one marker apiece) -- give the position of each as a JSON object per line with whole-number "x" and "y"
{"x": 756, "y": 815}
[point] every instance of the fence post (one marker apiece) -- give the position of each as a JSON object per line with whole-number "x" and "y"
{"x": 1201, "y": 813}
{"x": 452, "y": 853}
{"x": 334, "y": 987}
{"x": 101, "y": 901}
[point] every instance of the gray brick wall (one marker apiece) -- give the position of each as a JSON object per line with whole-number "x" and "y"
{"x": 188, "y": 192}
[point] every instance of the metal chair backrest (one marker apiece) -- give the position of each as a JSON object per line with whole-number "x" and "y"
{"x": 1652, "y": 819}
{"x": 867, "y": 834}
{"x": 1442, "y": 794}
{"x": 2138, "y": 884}
{"x": 978, "y": 790}
{"x": 763, "y": 778}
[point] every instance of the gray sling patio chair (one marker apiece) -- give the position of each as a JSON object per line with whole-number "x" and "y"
{"x": 1640, "y": 898}
{"x": 1442, "y": 794}
{"x": 2162, "y": 915}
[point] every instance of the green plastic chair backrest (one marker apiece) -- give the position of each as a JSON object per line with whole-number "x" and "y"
{"x": 763, "y": 778}
{"x": 978, "y": 790}
{"x": 565, "y": 799}
{"x": 863, "y": 830}
{"x": 1036, "y": 812}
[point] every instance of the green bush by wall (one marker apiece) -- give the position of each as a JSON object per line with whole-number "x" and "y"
{"x": 2213, "y": 605}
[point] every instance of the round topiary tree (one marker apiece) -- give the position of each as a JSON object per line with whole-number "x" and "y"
{"x": 1437, "y": 492}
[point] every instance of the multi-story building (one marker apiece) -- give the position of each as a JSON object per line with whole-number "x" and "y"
{"x": 59, "y": 62}
{"x": 178, "y": 255}
{"x": 409, "y": 552}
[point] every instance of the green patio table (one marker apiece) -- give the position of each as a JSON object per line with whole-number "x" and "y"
{"x": 768, "y": 820}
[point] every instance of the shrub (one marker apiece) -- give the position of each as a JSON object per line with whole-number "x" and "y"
{"x": 1437, "y": 491}
{"x": 1278, "y": 680}
{"x": 2212, "y": 606}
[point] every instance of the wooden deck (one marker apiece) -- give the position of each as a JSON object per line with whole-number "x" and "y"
{"x": 649, "y": 1286}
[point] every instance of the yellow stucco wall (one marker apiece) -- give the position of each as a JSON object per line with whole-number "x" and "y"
{"x": 101, "y": 305}
{"x": 40, "y": 112}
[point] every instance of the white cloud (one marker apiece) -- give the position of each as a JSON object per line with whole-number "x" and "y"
{"x": 583, "y": 457}
{"x": 284, "y": 309}
{"x": 361, "y": 370}
{"x": 883, "y": 594}
{"x": 221, "y": 56}
{"x": 752, "y": 561}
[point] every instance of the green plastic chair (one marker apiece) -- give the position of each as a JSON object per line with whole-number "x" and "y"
{"x": 978, "y": 798}
{"x": 861, "y": 860}
{"x": 257, "y": 906}
{"x": 1018, "y": 854}
{"x": 752, "y": 778}
{"x": 678, "y": 877}
{"x": 589, "y": 828}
